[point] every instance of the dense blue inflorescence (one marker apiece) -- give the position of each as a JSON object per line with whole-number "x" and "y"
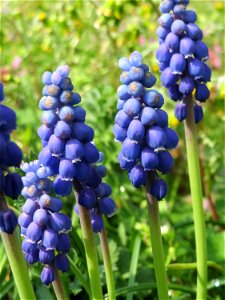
{"x": 181, "y": 56}
{"x": 142, "y": 126}
{"x": 69, "y": 151}
{"x": 44, "y": 228}
{"x": 10, "y": 156}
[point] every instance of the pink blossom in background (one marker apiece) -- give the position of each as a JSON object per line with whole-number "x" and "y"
{"x": 142, "y": 40}
{"x": 16, "y": 62}
{"x": 214, "y": 56}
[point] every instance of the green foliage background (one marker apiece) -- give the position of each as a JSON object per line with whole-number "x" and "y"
{"x": 90, "y": 36}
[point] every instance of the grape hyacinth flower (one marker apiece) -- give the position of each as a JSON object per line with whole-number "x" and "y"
{"x": 11, "y": 186}
{"x": 10, "y": 156}
{"x": 141, "y": 125}
{"x": 182, "y": 57}
{"x": 44, "y": 228}
{"x": 68, "y": 149}
{"x": 70, "y": 155}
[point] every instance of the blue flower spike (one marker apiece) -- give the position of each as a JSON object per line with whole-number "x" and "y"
{"x": 182, "y": 57}
{"x": 10, "y": 156}
{"x": 141, "y": 125}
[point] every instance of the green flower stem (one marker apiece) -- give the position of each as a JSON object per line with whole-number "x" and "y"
{"x": 58, "y": 287}
{"x": 197, "y": 199}
{"x": 156, "y": 241}
{"x": 17, "y": 262}
{"x": 108, "y": 264}
{"x": 134, "y": 264}
{"x": 90, "y": 248}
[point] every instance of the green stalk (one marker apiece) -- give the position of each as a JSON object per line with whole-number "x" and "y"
{"x": 197, "y": 199}
{"x": 18, "y": 266}
{"x": 58, "y": 287}
{"x": 16, "y": 259}
{"x": 90, "y": 248}
{"x": 134, "y": 264}
{"x": 108, "y": 265}
{"x": 156, "y": 241}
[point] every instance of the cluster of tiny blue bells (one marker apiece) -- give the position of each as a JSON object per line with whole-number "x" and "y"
{"x": 69, "y": 151}
{"x": 142, "y": 126}
{"x": 10, "y": 156}
{"x": 181, "y": 56}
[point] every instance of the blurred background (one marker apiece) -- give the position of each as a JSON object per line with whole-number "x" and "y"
{"x": 90, "y": 36}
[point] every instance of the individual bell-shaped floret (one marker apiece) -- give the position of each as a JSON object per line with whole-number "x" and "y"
{"x": 124, "y": 163}
{"x": 153, "y": 98}
{"x": 194, "y": 32}
{"x": 91, "y": 153}
{"x": 13, "y": 185}
{"x": 136, "y": 131}
{"x": 107, "y": 206}
{"x": 158, "y": 188}
{"x": 46, "y": 256}
{"x": 178, "y": 27}
{"x": 177, "y": 63}
{"x": 122, "y": 92}
{"x": 74, "y": 150}
{"x": 198, "y": 113}
{"x": 82, "y": 132}
{"x": 148, "y": 80}
{"x": 172, "y": 138}
{"x": 168, "y": 78}
{"x": 30, "y": 206}
{"x": 202, "y": 92}
{"x": 47, "y": 275}
{"x": 123, "y": 119}
{"x": 67, "y": 169}
{"x": 174, "y": 93}
{"x": 187, "y": 47}
{"x": 149, "y": 116}
{"x": 163, "y": 54}
{"x": 149, "y": 159}
{"x": 34, "y": 232}
{"x": 8, "y": 221}
{"x": 166, "y": 20}
{"x": 201, "y": 51}
{"x": 187, "y": 85}
{"x": 162, "y": 118}
{"x": 87, "y": 198}
{"x": 96, "y": 222}
{"x": 56, "y": 145}
{"x": 165, "y": 162}
{"x": 172, "y": 42}
{"x": 135, "y": 89}
{"x": 137, "y": 176}
{"x": 63, "y": 243}
{"x": 181, "y": 111}
{"x": 155, "y": 137}
{"x": 130, "y": 149}
{"x": 62, "y": 187}
{"x": 62, "y": 130}
{"x": 41, "y": 217}
{"x": 119, "y": 133}
{"x": 132, "y": 107}
{"x": 49, "y": 239}
{"x": 59, "y": 222}
{"x": 62, "y": 262}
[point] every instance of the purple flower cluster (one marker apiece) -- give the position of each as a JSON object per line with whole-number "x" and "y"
{"x": 68, "y": 150}
{"x": 142, "y": 126}
{"x": 181, "y": 56}
{"x": 43, "y": 226}
{"x": 10, "y": 156}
